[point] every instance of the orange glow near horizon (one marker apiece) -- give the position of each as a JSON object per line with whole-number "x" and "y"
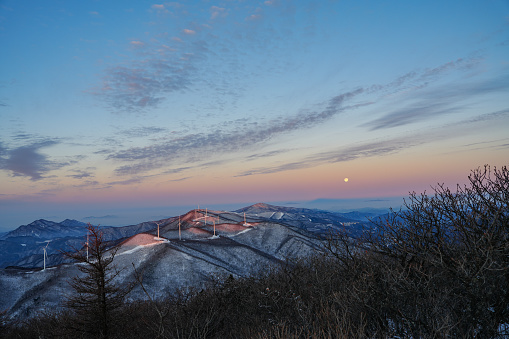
{"x": 388, "y": 176}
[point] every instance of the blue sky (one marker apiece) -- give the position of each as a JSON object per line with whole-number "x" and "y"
{"x": 137, "y": 104}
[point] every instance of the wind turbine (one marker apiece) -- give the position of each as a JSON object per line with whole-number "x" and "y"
{"x": 87, "y": 245}
{"x": 44, "y": 256}
{"x": 180, "y": 237}
{"x": 158, "y": 231}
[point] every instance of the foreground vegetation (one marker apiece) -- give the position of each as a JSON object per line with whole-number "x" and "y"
{"x": 438, "y": 269}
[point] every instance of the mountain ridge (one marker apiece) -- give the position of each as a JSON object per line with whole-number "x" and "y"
{"x": 191, "y": 249}
{"x": 42, "y": 228}
{"x": 23, "y": 246}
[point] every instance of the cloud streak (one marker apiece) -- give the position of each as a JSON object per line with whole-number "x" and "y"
{"x": 412, "y": 114}
{"x": 142, "y": 132}
{"x": 194, "y": 54}
{"x": 197, "y": 147}
{"x": 365, "y": 150}
{"x": 439, "y": 102}
{"x": 137, "y": 88}
{"x": 29, "y": 161}
{"x": 382, "y": 147}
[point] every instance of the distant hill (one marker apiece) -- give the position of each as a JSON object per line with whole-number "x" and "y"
{"x": 23, "y": 246}
{"x": 195, "y": 246}
{"x": 44, "y": 229}
{"x": 312, "y": 220}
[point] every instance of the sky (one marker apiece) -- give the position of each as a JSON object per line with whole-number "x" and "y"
{"x": 143, "y": 108}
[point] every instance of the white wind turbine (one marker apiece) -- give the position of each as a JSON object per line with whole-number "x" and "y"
{"x": 180, "y": 237}
{"x": 44, "y": 256}
{"x": 158, "y": 238}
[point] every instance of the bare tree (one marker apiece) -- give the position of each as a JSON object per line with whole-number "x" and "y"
{"x": 446, "y": 259}
{"x": 96, "y": 295}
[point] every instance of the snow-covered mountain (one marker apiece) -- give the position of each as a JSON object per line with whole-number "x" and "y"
{"x": 23, "y": 246}
{"x": 44, "y": 229}
{"x": 312, "y": 220}
{"x": 192, "y": 248}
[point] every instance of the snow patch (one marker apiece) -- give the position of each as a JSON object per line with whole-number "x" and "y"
{"x": 186, "y": 256}
{"x": 139, "y": 247}
{"x": 244, "y": 231}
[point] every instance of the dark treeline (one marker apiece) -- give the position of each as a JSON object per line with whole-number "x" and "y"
{"x": 438, "y": 269}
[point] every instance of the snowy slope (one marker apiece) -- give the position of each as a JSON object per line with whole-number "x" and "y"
{"x": 169, "y": 262}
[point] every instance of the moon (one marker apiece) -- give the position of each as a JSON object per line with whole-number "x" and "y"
{"x": 346, "y": 179}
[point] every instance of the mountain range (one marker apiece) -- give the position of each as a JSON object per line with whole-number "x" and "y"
{"x": 191, "y": 249}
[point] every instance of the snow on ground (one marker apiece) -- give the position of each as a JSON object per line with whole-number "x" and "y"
{"x": 241, "y": 232}
{"x": 140, "y": 239}
{"x": 168, "y": 264}
{"x": 135, "y": 249}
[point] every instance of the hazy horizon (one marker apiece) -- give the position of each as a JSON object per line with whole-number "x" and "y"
{"x": 123, "y": 216}
{"x": 135, "y": 104}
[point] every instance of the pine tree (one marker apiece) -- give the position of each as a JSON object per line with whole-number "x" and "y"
{"x": 96, "y": 295}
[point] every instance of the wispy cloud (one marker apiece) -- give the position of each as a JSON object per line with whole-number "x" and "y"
{"x": 141, "y": 132}
{"x": 199, "y": 147}
{"x": 217, "y": 12}
{"x": 180, "y": 179}
{"x": 134, "y": 180}
{"x": 81, "y": 174}
{"x": 365, "y": 150}
{"x": 29, "y": 161}
{"x": 138, "y": 87}
{"x": 137, "y": 43}
{"x": 385, "y": 147}
{"x": 158, "y": 6}
{"x": 181, "y": 61}
{"x": 257, "y": 156}
{"x": 440, "y": 101}
{"x": 412, "y": 114}
{"x": 177, "y": 170}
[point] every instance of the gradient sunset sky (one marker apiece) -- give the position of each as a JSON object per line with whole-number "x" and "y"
{"x": 108, "y": 105}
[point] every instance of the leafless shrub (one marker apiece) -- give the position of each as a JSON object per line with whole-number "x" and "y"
{"x": 441, "y": 267}
{"x": 438, "y": 269}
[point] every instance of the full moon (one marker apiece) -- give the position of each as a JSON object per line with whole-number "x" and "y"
{"x": 346, "y": 179}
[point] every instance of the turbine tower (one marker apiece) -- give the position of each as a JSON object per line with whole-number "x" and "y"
{"x": 158, "y": 238}
{"x": 44, "y": 256}
{"x": 180, "y": 237}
